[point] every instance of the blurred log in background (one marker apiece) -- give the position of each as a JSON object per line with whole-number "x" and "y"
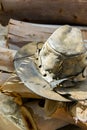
{"x": 45, "y": 11}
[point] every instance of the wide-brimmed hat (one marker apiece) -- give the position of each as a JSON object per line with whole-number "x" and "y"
{"x": 30, "y": 64}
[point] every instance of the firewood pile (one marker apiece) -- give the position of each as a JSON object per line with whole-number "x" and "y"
{"x": 21, "y": 108}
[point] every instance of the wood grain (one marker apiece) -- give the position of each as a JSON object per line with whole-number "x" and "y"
{"x": 21, "y": 33}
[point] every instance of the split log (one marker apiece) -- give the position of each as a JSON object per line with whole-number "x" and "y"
{"x": 6, "y": 59}
{"x": 6, "y": 55}
{"x": 3, "y": 36}
{"x": 45, "y": 11}
{"x": 26, "y": 117}
{"x": 11, "y": 85}
{"x": 21, "y": 33}
{"x": 6, "y": 124}
{"x": 10, "y": 116}
{"x": 32, "y": 32}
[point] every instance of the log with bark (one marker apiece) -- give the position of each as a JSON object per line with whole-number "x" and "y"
{"x": 45, "y": 11}
{"x": 35, "y": 116}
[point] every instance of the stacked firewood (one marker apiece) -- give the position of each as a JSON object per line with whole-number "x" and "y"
{"x": 21, "y": 109}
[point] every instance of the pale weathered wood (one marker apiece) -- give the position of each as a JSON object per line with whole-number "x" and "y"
{"x": 20, "y": 33}
{"x": 45, "y": 11}
{"x": 3, "y": 36}
{"x": 10, "y": 87}
{"x": 10, "y": 115}
{"x": 6, "y": 124}
{"x": 9, "y": 82}
{"x": 6, "y": 59}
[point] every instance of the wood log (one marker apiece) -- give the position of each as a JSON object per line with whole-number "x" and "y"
{"x": 21, "y": 33}
{"x": 45, "y": 11}
{"x": 26, "y": 117}
{"x": 6, "y": 59}
{"x": 3, "y": 36}
{"x": 10, "y": 116}
{"x": 6, "y": 124}
{"x": 11, "y": 85}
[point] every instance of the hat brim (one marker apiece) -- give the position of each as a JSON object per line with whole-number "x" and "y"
{"x": 29, "y": 74}
{"x": 77, "y": 92}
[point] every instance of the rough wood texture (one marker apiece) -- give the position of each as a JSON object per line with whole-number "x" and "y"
{"x": 43, "y": 33}
{"x": 11, "y": 85}
{"x": 20, "y": 33}
{"x": 3, "y": 36}
{"x": 10, "y": 116}
{"x": 45, "y": 11}
{"x": 6, "y": 59}
{"x": 6, "y": 124}
{"x": 9, "y": 82}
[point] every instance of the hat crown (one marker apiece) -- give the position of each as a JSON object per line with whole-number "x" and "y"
{"x": 67, "y": 40}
